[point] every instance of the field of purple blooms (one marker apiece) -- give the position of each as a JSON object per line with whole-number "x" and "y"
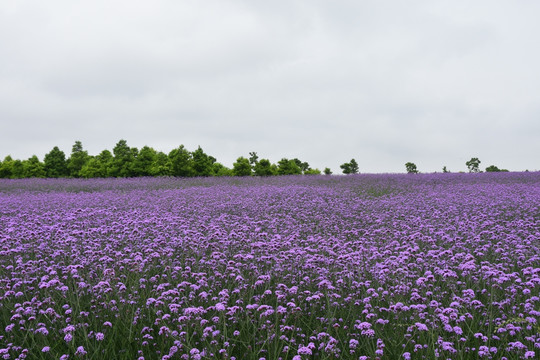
{"x": 315, "y": 267}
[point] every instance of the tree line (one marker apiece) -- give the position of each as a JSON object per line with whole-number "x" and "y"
{"x": 126, "y": 161}
{"x": 473, "y": 165}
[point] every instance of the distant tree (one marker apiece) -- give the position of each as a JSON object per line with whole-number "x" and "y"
{"x": 161, "y": 166}
{"x": 124, "y": 158}
{"x": 202, "y": 163}
{"x": 327, "y": 171}
{"x": 304, "y": 166}
{"x": 288, "y": 167}
{"x": 473, "y": 165}
{"x": 350, "y": 168}
{"x": 411, "y": 168}
{"x": 493, "y": 168}
{"x": 55, "y": 164}
{"x": 312, "y": 172}
{"x": 6, "y": 168}
{"x": 263, "y": 168}
{"x": 242, "y": 167}
{"x": 33, "y": 168}
{"x": 218, "y": 169}
{"x": 253, "y": 158}
{"x": 143, "y": 163}
{"x": 98, "y": 166}
{"x": 77, "y": 159}
{"x": 444, "y": 170}
{"x": 17, "y": 169}
{"x": 181, "y": 162}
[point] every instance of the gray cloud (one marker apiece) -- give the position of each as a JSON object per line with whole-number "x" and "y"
{"x": 384, "y": 82}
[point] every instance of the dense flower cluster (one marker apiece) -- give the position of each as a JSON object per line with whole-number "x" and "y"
{"x": 353, "y": 267}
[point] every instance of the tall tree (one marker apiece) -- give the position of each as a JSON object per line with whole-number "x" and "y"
{"x": 288, "y": 167}
{"x": 202, "y": 163}
{"x": 142, "y": 165}
{"x": 473, "y": 165}
{"x": 161, "y": 166}
{"x": 411, "y": 168}
{"x": 6, "y": 167}
{"x": 124, "y": 157}
{"x": 77, "y": 159}
{"x": 55, "y": 163}
{"x": 263, "y": 167}
{"x": 33, "y": 168}
{"x": 181, "y": 162}
{"x": 242, "y": 167}
{"x": 253, "y": 158}
{"x": 350, "y": 168}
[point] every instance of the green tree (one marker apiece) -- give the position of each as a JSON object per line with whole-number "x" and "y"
{"x": 124, "y": 158}
{"x": 312, "y": 172}
{"x": 17, "y": 169}
{"x": 98, "y": 166}
{"x": 444, "y": 170}
{"x": 242, "y": 167}
{"x": 202, "y": 163}
{"x": 411, "y": 168}
{"x": 6, "y": 168}
{"x": 142, "y": 165}
{"x": 218, "y": 169}
{"x": 304, "y": 166}
{"x": 327, "y": 171}
{"x": 161, "y": 166}
{"x": 350, "y": 168}
{"x": 181, "y": 162}
{"x": 55, "y": 164}
{"x": 263, "y": 168}
{"x": 77, "y": 159}
{"x": 493, "y": 168}
{"x": 253, "y": 158}
{"x": 473, "y": 165}
{"x": 33, "y": 168}
{"x": 288, "y": 167}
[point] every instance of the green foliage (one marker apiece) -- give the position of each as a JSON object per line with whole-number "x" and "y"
{"x": 6, "y": 168}
{"x": 327, "y": 171}
{"x": 444, "y": 170}
{"x": 181, "y": 162}
{"x": 493, "y": 168}
{"x": 17, "y": 169}
{"x": 241, "y": 167}
{"x": 161, "y": 166}
{"x": 77, "y": 159}
{"x": 350, "y": 168}
{"x": 202, "y": 163}
{"x": 218, "y": 169}
{"x": 55, "y": 164}
{"x": 253, "y": 158}
{"x": 473, "y": 165}
{"x": 33, "y": 168}
{"x": 411, "y": 168}
{"x": 142, "y": 165}
{"x": 98, "y": 166}
{"x": 264, "y": 168}
{"x": 124, "y": 159}
{"x": 312, "y": 172}
{"x": 288, "y": 167}
{"x": 304, "y": 166}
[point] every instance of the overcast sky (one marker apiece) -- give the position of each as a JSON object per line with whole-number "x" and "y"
{"x": 384, "y": 82}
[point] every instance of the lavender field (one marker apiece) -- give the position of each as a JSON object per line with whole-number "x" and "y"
{"x": 315, "y": 267}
